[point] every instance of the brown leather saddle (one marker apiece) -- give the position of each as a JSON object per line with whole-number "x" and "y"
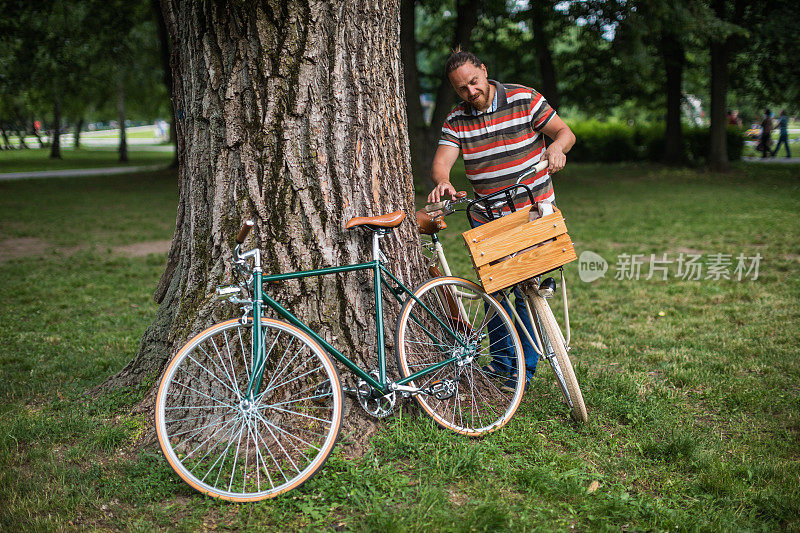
{"x": 387, "y": 221}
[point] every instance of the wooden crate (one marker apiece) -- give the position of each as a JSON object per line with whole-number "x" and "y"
{"x": 492, "y": 245}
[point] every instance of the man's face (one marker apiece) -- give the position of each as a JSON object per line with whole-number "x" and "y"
{"x": 472, "y": 85}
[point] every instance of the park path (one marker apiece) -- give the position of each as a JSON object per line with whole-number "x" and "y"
{"x": 78, "y": 172}
{"x": 777, "y": 159}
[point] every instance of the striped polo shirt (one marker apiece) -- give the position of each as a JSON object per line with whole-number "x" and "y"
{"x": 503, "y": 143}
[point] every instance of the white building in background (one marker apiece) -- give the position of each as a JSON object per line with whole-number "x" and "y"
{"x": 692, "y": 109}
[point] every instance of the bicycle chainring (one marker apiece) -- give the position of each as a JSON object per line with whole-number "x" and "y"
{"x": 376, "y": 406}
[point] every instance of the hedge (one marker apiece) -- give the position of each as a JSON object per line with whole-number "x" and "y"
{"x": 607, "y": 142}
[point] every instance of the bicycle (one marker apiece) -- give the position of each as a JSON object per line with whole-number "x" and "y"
{"x": 245, "y": 413}
{"x": 546, "y": 331}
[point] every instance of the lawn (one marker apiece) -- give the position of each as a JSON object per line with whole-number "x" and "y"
{"x": 37, "y": 159}
{"x": 692, "y": 386}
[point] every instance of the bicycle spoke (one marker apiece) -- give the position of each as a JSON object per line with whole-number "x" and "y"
{"x": 478, "y": 328}
{"x": 239, "y": 448}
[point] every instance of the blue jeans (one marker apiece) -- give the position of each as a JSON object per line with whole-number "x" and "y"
{"x": 500, "y": 344}
{"x": 784, "y": 139}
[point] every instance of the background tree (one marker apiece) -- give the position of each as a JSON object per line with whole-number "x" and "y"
{"x": 77, "y": 57}
{"x": 454, "y": 22}
{"x": 294, "y": 115}
{"x": 728, "y": 16}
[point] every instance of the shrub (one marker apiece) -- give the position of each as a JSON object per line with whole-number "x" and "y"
{"x": 607, "y": 142}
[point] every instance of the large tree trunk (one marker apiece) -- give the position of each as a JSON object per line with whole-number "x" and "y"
{"x": 673, "y": 55}
{"x": 123, "y": 141}
{"x": 55, "y": 138}
{"x": 540, "y": 11}
{"x": 293, "y": 115}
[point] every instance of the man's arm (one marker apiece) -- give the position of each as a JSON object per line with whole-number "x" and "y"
{"x": 443, "y": 161}
{"x": 563, "y": 139}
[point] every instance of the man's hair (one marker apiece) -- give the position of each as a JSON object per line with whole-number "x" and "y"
{"x": 458, "y": 58}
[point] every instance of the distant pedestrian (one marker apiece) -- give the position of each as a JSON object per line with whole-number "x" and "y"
{"x": 766, "y": 134}
{"x": 732, "y": 118}
{"x": 783, "y": 125}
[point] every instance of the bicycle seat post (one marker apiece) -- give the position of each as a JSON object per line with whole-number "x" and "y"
{"x": 377, "y": 254}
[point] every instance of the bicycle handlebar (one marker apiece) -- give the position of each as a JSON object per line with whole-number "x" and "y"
{"x": 438, "y": 206}
{"x": 444, "y": 205}
{"x": 248, "y": 225}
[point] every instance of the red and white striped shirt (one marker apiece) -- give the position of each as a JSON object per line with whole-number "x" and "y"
{"x": 504, "y": 143}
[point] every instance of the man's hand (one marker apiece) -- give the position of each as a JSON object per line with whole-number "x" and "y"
{"x": 443, "y": 188}
{"x": 556, "y": 157}
{"x": 563, "y": 139}
{"x": 443, "y": 161}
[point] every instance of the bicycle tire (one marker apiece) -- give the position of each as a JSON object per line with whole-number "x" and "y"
{"x": 289, "y": 428}
{"x": 420, "y": 342}
{"x": 552, "y": 336}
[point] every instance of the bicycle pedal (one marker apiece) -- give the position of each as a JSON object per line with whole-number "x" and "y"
{"x": 442, "y": 389}
{"x": 323, "y": 389}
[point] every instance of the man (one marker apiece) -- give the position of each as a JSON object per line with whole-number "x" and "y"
{"x": 783, "y": 126}
{"x": 766, "y": 134}
{"x": 499, "y": 130}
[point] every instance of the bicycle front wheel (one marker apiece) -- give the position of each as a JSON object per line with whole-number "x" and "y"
{"x": 555, "y": 347}
{"x": 237, "y": 446}
{"x": 452, "y": 319}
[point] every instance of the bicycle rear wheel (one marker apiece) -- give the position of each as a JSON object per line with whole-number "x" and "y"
{"x": 466, "y": 395}
{"x": 554, "y": 345}
{"x": 240, "y": 447}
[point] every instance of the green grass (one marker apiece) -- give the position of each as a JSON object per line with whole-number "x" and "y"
{"x": 694, "y": 415}
{"x": 146, "y": 132}
{"x": 38, "y": 159}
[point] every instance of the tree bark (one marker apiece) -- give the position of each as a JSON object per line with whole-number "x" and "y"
{"x": 292, "y": 114}
{"x": 672, "y": 53}
{"x": 55, "y": 140}
{"x": 541, "y": 41}
{"x": 123, "y": 141}
{"x": 78, "y": 128}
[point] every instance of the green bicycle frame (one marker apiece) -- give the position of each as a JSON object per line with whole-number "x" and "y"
{"x": 379, "y": 271}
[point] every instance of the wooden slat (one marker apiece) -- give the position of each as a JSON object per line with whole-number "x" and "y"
{"x": 517, "y": 239}
{"x": 527, "y": 264}
{"x": 496, "y": 226}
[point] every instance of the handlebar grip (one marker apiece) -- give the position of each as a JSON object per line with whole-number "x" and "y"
{"x": 248, "y": 225}
{"x": 541, "y": 165}
{"x": 438, "y": 206}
